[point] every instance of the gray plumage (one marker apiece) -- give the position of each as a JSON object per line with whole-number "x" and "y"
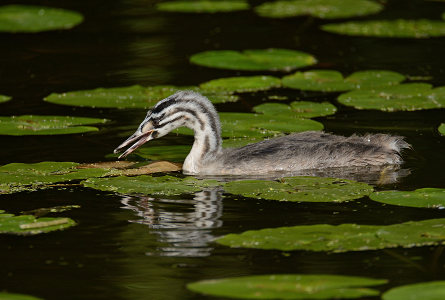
{"x": 290, "y": 153}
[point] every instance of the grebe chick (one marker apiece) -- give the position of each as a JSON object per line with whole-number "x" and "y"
{"x": 294, "y": 152}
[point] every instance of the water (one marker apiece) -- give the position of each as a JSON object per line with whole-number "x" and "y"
{"x": 150, "y": 248}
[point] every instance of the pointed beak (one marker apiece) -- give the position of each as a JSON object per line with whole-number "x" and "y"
{"x": 138, "y": 139}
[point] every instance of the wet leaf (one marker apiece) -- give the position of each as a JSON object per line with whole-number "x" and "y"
{"x": 47, "y": 125}
{"x": 442, "y": 128}
{"x": 426, "y": 197}
{"x": 403, "y": 97}
{"x": 300, "y": 189}
{"x": 29, "y": 225}
{"x": 27, "y": 18}
{"x": 4, "y": 98}
{"x": 254, "y": 60}
{"x": 203, "y": 6}
{"x": 323, "y": 9}
{"x": 13, "y": 296}
{"x": 390, "y": 28}
{"x": 433, "y": 290}
{"x": 297, "y": 109}
{"x": 242, "y": 84}
{"x": 147, "y": 185}
{"x": 341, "y": 238}
{"x": 288, "y": 286}
{"x": 333, "y": 81}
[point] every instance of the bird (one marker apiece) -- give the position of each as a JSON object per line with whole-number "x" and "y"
{"x": 289, "y": 153}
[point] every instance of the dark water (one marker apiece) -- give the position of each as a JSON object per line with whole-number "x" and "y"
{"x": 150, "y": 248}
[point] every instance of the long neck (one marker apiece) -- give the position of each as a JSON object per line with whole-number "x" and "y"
{"x": 196, "y": 112}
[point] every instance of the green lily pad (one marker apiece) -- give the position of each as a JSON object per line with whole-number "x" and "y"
{"x": 403, "y": 97}
{"x": 418, "y": 29}
{"x": 29, "y": 225}
{"x": 288, "y": 286}
{"x": 46, "y": 125}
{"x": 14, "y": 296}
{"x": 341, "y": 238}
{"x": 203, "y": 6}
{"x": 323, "y": 9}
{"x": 164, "y": 185}
{"x": 426, "y": 197}
{"x": 254, "y": 60}
{"x": 442, "y": 129}
{"x": 242, "y": 84}
{"x": 134, "y": 96}
{"x": 434, "y": 290}
{"x": 27, "y": 18}
{"x": 300, "y": 189}
{"x": 299, "y": 109}
{"x": 333, "y": 81}
{"x": 4, "y": 98}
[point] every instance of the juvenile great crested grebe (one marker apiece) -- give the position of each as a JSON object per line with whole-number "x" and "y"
{"x": 294, "y": 152}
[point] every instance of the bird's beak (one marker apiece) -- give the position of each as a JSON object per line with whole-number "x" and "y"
{"x": 138, "y": 139}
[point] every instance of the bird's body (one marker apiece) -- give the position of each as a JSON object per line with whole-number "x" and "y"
{"x": 290, "y": 153}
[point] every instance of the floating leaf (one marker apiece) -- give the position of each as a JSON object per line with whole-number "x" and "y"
{"x": 254, "y": 60}
{"x": 242, "y": 84}
{"x": 426, "y": 197}
{"x": 46, "y": 125}
{"x": 27, "y": 18}
{"x": 298, "y": 109}
{"x": 29, "y": 225}
{"x": 13, "y": 296}
{"x": 333, "y": 81}
{"x": 4, "y": 98}
{"x": 288, "y": 286}
{"x": 434, "y": 290}
{"x": 164, "y": 185}
{"x": 407, "y": 97}
{"x": 442, "y": 128}
{"x": 203, "y": 6}
{"x": 390, "y": 28}
{"x": 323, "y": 9}
{"x": 341, "y": 238}
{"x": 300, "y": 189}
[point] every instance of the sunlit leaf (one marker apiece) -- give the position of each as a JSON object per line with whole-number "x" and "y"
{"x": 254, "y": 60}
{"x": 433, "y": 290}
{"x": 4, "y": 98}
{"x": 426, "y": 197}
{"x": 14, "y": 296}
{"x": 298, "y": 109}
{"x": 27, "y": 18}
{"x": 288, "y": 286}
{"x": 242, "y": 84}
{"x": 442, "y": 128}
{"x": 203, "y": 6}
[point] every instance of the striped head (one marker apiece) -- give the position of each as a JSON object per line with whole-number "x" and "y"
{"x": 184, "y": 108}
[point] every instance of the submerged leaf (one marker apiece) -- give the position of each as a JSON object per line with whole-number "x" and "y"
{"x": 4, "y": 98}
{"x": 203, "y": 6}
{"x": 254, "y": 60}
{"x": 14, "y": 296}
{"x": 46, "y": 125}
{"x": 405, "y": 97}
{"x": 297, "y": 109}
{"x": 426, "y": 197}
{"x": 390, "y": 28}
{"x": 288, "y": 286}
{"x": 341, "y": 238}
{"x": 300, "y": 189}
{"x": 433, "y": 290}
{"x": 242, "y": 84}
{"x": 27, "y": 18}
{"x": 333, "y": 81}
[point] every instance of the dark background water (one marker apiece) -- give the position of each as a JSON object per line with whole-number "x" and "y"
{"x": 150, "y": 248}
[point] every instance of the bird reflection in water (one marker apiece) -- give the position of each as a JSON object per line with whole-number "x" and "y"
{"x": 185, "y": 225}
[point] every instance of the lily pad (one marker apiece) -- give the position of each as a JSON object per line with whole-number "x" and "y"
{"x": 14, "y": 296}
{"x": 323, "y": 9}
{"x": 426, "y": 197}
{"x": 254, "y": 60}
{"x": 164, "y": 185}
{"x": 4, "y": 98}
{"x": 442, "y": 128}
{"x": 47, "y": 125}
{"x": 341, "y": 238}
{"x": 134, "y": 96}
{"x": 299, "y": 109}
{"x": 29, "y": 225}
{"x": 242, "y": 84}
{"x": 403, "y": 97}
{"x": 288, "y": 286}
{"x": 333, "y": 81}
{"x": 434, "y": 290}
{"x": 300, "y": 189}
{"x": 27, "y": 18}
{"x": 418, "y": 29}
{"x": 203, "y": 6}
